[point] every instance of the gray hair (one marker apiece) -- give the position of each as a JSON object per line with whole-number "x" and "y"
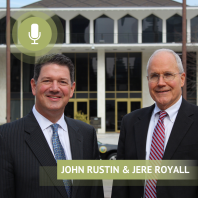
{"x": 177, "y": 58}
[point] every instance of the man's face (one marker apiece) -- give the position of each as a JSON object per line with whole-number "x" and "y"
{"x": 165, "y": 94}
{"x": 53, "y": 89}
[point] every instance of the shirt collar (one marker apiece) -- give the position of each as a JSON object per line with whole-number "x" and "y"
{"x": 171, "y": 111}
{"x": 45, "y": 123}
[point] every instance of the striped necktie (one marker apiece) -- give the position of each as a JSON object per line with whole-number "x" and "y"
{"x": 156, "y": 153}
{"x": 60, "y": 155}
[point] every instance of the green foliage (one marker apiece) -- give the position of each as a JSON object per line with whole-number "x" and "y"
{"x": 81, "y": 116}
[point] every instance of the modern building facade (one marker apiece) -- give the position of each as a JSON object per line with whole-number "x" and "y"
{"x": 109, "y": 43}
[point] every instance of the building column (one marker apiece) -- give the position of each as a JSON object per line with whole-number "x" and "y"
{"x": 146, "y": 98}
{"x": 139, "y": 30}
{"x": 91, "y": 32}
{"x": 188, "y": 31}
{"x": 101, "y": 89}
{"x": 164, "y": 31}
{"x": 115, "y": 31}
{"x": 67, "y": 32}
{"x": 3, "y": 86}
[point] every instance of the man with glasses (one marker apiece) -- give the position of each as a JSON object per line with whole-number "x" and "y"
{"x": 167, "y": 130}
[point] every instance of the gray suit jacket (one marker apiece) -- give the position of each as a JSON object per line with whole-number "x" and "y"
{"x": 23, "y": 149}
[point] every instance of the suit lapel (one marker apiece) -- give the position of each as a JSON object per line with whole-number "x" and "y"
{"x": 141, "y": 130}
{"x": 36, "y": 141}
{"x": 180, "y": 128}
{"x": 76, "y": 143}
{"x": 76, "y": 139}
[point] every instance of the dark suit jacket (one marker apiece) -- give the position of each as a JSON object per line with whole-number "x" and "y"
{"x": 23, "y": 149}
{"x": 182, "y": 145}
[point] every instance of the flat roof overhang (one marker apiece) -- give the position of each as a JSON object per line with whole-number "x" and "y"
{"x": 60, "y": 48}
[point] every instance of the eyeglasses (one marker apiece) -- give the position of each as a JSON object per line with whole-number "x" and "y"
{"x": 166, "y": 76}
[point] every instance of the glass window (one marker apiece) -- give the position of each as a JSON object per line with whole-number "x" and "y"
{"x": 127, "y": 29}
{"x": 61, "y": 28}
{"x": 110, "y": 115}
{"x": 174, "y": 28}
{"x": 191, "y": 77}
{"x": 194, "y": 29}
{"x": 124, "y": 62}
{"x": 28, "y": 103}
{"x": 82, "y": 72}
{"x": 79, "y": 30}
{"x": 3, "y": 30}
{"x": 15, "y": 73}
{"x": 93, "y": 71}
{"x": 93, "y": 108}
{"x": 122, "y": 72}
{"x": 82, "y": 107}
{"x": 84, "y": 62}
{"x": 72, "y": 58}
{"x": 15, "y": 109}
{"x": 28, "y": 73}
{"x": 69, "y": 110}
{"x": 110, "y": 71}
{"x": 135, "y": 67}
{"x": 152, "y": 29}
{"x": 103, "y": 29}
{"x": 135, "y": 106}
{"x": 121, "y": 112}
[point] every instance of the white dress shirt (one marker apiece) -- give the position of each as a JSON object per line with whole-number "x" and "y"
{"x": 168, "y": 123}
{"x": 46, "y": 128}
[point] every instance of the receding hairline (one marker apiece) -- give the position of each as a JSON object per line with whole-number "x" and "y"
{"x": 167, "y": 51}
{"x": 162, "y": 52}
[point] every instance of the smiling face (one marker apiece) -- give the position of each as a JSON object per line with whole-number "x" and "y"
{"x": 52, "y": 90}
{"x": 165, "y": 94}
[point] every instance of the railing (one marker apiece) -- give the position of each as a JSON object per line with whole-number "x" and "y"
{"x": 151, "y": 37}
{"x": 79, "y": 38}
{"x": 127, "y": 38}
{"x": 174, "y": 37}
{"x": 110, "y": 38}
{"x": 104, "y": 38}
{"x": 60, "y": 38}
{"x": 194, "y": 37}
{"x": 3, "y": 38}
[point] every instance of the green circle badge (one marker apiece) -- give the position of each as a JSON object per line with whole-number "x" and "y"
{"x": 103, "y": 149}
{"x": 34, "y": 34}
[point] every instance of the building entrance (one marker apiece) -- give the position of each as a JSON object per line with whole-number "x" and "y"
{"x": 123, "y": 107}
{"x": 86, "y": 106}
{"x": 80, "y": 106}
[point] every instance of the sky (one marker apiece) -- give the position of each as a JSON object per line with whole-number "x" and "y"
{"x": 20, "y": 3}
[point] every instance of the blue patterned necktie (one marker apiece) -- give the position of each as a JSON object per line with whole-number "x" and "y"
{"x": 60, "y": 155}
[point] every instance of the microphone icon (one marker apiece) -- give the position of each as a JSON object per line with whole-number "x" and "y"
{"x": 35, "y": 34}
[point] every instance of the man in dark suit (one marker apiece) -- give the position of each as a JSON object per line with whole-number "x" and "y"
{"x": 170, "y": 125}
{"x": 44, "y": 136}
